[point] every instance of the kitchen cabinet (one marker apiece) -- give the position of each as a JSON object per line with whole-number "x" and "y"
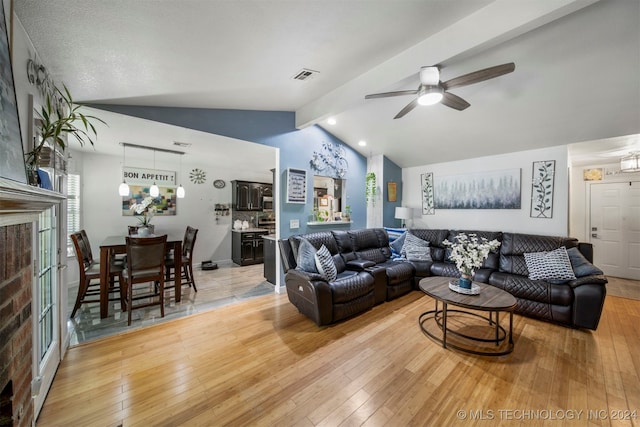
{"x": 247, "y": 247}
{"x": 247, "y": 196}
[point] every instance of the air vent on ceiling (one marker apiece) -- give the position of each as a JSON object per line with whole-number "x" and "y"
{"x": 181, "y": 144}
{"x": 305, "y": 74}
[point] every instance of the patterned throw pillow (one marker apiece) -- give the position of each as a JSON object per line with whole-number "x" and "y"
{"x": 397, "y": 244}
{"x": 552, "y": 265}
{"x": 325, "y": 264}
{"x": 416, "y": 246}
{"x": 581, "y": 266}
{"x": 306, "y": 257}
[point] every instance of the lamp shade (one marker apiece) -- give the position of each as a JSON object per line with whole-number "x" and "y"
{"x": 430, "y": 95}
{"x": 123, "y": 190}
{"x": 403, "y": 213}
{"x": 180, "y": 192}
{"x": 154, "y": 191}
{"x": 630, "y": 163}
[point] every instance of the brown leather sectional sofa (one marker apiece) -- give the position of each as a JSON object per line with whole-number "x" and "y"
{"x": 367, "y": 275}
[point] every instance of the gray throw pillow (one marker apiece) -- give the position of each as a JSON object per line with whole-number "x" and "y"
{"x": 581, "y": 266}
{"x": 416, "y": 246}
{"x": 325, "y": 265}
{"x": 306, "y": 257}
{"x": 552, "y": 265}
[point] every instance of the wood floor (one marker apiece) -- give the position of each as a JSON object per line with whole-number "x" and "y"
{"x": 260, "y": 362}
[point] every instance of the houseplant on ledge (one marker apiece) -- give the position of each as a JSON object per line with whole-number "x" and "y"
{"x": 468, "y": 253}
{"x": 59, "y": 117}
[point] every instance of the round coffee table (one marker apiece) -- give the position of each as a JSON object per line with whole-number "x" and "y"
{"x": 490, "y": 299}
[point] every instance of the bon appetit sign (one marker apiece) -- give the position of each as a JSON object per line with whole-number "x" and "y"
{"x": 149, "y": 177}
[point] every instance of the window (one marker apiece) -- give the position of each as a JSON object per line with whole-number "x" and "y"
{"x": 73, "y": 209}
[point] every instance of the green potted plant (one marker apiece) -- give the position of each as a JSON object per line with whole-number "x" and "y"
{"x": 347, "y": 213}
{"x": 371, "y": 187}
{"x": 59, "y": 117}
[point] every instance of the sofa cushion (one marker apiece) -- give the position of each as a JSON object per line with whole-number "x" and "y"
{"x": 552, "y": 265}
{"x": 306, "y": 260}
{"x": 396, "y": 244}
{"x": 581, "y": 266}
{"x": 514, "y": 245}
{"x": 325, "y": 264}
{"x": 435, "y": 239}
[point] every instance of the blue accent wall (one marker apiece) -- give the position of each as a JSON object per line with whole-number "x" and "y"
{"x": 276, "y": 129}
{"x": 391, "y": 173}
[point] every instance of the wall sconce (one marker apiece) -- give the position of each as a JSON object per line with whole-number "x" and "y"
{"x": 630, "y": 163}
{"x": 123, "y": 190}
{"x": 403, "y": 213}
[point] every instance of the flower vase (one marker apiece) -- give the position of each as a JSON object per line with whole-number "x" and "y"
{"x": 464, "y": 281}
{"x": 143, "y": 231}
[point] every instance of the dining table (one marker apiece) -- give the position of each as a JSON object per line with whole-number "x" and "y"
{"x": 113, "y": 245}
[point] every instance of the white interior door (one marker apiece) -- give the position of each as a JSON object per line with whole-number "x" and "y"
{"x": 615, "y": 228}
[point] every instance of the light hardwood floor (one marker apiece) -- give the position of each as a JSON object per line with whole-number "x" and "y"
{"x": 260, "y": 362}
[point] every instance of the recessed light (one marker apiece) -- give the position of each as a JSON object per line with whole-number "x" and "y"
{"x": 362, "y": 143}
{"x": 331, "y": 120}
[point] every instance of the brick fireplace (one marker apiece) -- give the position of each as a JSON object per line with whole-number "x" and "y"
{"x": 16, "y": 405}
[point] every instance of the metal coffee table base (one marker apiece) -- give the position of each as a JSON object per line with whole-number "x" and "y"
{"x": 440, "y": 318}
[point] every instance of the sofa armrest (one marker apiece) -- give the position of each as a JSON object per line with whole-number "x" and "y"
{"x": 311, "y": 294}
{"x": 359, "y": 264}
{"x": 592, "y": 280}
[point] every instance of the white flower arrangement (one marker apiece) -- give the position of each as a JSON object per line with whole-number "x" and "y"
{"x": 468, "y": 252}
{"x": 146, "y": 208}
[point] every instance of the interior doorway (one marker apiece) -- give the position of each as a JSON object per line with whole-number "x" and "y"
{"x": 615, "y": 227}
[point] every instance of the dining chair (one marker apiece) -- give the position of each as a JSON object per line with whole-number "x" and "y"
{"x": 89, "y": 282}
{"x": 145, "y": 267}
{"x": 187, "y": 259}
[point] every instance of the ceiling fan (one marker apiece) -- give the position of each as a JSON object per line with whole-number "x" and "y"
{"x": 432, "y": 90}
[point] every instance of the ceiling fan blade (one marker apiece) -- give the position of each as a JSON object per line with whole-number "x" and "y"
{"x": 479, "y": 76}
{"x": 389, "y": 94}
{"x": 410, "y": 106}
{"x": 454, "y": 101}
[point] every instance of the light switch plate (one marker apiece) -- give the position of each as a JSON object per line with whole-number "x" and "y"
{"x": 294, "y": 223}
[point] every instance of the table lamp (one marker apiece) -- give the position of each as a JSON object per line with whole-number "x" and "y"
{"x": 403, "y": 213}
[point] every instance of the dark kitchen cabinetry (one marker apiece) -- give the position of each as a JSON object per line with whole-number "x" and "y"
{"x": 247, "y": 196}
{"x": 270, "y": 259}
{"x": 247, "y": 247}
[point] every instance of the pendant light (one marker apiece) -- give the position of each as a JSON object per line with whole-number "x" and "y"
{"x": 180, "y": 191}
{"x": 154, "y": 191}
{"x": 123, "y": 190}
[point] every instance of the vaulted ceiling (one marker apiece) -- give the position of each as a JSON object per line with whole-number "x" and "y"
{"x": 576, "y": 77}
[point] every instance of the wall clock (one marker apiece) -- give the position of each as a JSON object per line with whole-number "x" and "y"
{"x": 218, "y": 183}
{"x": 198, "y": 176}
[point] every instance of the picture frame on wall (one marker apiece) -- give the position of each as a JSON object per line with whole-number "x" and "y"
{"x": 392, "y": 192}
{"x": 426, "y": 184}
{"x": 165, "y": 204}
{"x": 296, "y": 185}
{"x": 542, "y": 183}
{"x": 12, "y": 164}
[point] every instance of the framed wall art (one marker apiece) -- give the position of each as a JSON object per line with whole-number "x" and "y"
{"x": 165, "y": 203}
{"x": 296, "y": 185}
{"x": 392, "y": 191}
{"x": 428, "y": 204}
{"x": 542, "y": 181}
{"x": 480, "y": 190}
{"x": 12, "y": 165}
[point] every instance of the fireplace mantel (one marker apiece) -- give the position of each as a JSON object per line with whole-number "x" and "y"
{"x": 18, "y": 199}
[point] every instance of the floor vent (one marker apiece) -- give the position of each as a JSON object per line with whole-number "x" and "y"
{"x": 305, "y": 74}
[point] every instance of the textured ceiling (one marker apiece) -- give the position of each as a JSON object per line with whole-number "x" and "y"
{"x": 576, "y": 77}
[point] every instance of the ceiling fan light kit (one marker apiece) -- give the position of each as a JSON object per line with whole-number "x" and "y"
{"x": 430, "y": 95}
{"x": 432, "y": 90}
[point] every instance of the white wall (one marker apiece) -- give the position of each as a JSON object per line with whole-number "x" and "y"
{"x": 375, "y": 164}
{"x": 511, "y": 220}
{"x": 101, "y": 204}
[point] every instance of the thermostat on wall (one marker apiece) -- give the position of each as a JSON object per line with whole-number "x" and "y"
{"x": 294, "y": 223}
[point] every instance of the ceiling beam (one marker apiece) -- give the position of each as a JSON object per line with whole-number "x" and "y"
{"x": 494, "y": 24}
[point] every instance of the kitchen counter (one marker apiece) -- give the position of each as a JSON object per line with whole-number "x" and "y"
{"x": 269, "y": 236}
{"x": 251, "y": 230}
